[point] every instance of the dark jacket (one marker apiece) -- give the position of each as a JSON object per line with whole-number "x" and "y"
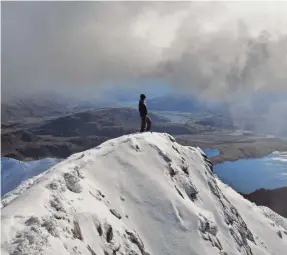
{"x": 142, "y": 108}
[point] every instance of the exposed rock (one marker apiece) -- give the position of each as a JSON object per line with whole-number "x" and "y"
{"x": 175, "y": 149}
{"x": 179, "y": 192}
{"x": 172, "y": 170}
{"x": 110, "y": 234}
{"x": 30, "y": 242}
{"x": 184, "y": 168}
{"x": 58, "y": 185}
{"x": 207, "y": 225}
{"x": 56, "y": 203}
{"x": 33, "y": 220}
{"x": 91, "y": 250}
{"x": 115, "y": 213}
{"x": 50, "y": 225}
{"x": 136, "y": 240}
{"x": 77, "y": 231}
{"x": 100, "y": 230}
{"x": 73, "y": 182}
{"x": 238, "y": 229}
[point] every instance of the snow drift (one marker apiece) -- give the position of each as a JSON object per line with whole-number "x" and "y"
{"x": 137, "y": 194}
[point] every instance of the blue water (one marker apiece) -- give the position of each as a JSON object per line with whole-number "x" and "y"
{"x": 211, "y": 152}
{"x": 13, "y": 171}
{"x": 247, "y": 175}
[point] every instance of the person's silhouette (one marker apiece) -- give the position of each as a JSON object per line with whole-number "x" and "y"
{"x": 145, "y": 120}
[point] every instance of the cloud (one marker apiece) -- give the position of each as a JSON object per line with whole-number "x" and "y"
{"x": 213, "y": 49}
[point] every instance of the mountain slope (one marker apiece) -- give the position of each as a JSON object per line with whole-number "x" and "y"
{"x": 137, "y": 194}
{"x": 248, "y": 210}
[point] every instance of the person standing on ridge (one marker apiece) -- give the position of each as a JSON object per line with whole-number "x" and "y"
{"x": 145, "y": 120}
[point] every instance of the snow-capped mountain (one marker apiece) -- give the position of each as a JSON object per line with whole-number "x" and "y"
{"x": 137, "y": 194}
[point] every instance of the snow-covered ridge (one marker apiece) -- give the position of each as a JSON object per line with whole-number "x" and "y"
{"x": 137, "y": 194}
{"x": 14, "y": 172}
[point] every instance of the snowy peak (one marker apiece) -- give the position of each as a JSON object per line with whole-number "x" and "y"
{"x": 137, "y": 194}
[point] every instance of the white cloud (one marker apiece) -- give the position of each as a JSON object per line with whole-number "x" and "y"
{"x": 209, "y": 47}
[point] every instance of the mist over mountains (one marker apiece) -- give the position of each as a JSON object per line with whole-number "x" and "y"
{"x": 224, "y": 56}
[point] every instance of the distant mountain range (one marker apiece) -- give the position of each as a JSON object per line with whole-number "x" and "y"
{"x": 43, "y": 105}
{"x": 61, "y": 136}
{"x": 64, "y": 135}
{"x": 110, "y": 122}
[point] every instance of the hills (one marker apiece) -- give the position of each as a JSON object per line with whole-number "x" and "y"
{"x": 273, "y": 199}
{"x": 35, "y": 106}
{"x": 261, "y": 112}
{"x": 61, "y": 136}
{"x": 111, "y": 122}
{"x": 136, "y": 194}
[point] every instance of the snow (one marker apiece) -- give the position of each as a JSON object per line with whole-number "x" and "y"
{"x": 14, "y": 172}
{"x": 268, "y": 225}
{"x": 137, "y": 194}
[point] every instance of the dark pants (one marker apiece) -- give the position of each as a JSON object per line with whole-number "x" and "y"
{"x": 145, "y": 121}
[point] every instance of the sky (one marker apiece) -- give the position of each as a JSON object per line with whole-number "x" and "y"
{"x": 216, "y": 50}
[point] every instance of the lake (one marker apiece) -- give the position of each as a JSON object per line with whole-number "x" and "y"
{"x": 13, "y": 171}
{"x": 211, "y": 152}
{"x": 247, "y": 175}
